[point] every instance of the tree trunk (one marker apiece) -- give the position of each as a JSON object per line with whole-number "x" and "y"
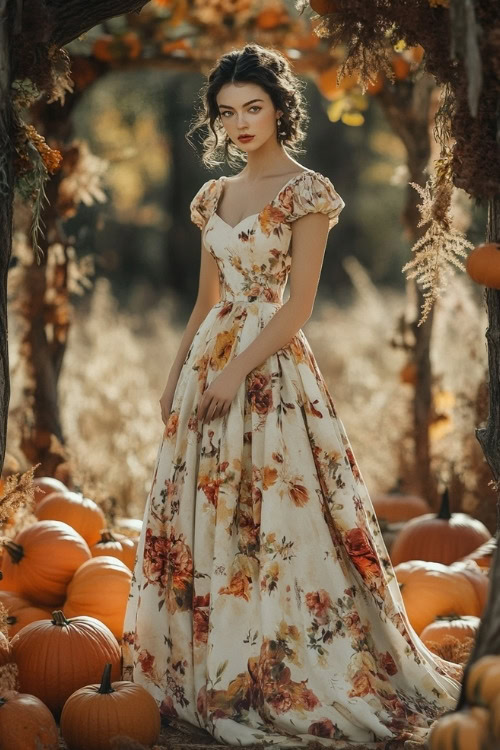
{"x": 406, "y": 107}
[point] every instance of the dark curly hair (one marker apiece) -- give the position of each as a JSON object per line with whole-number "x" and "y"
{"x": 251, "y": 64}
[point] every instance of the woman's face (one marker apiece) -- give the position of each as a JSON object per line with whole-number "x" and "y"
{"x": 246, "y": 109}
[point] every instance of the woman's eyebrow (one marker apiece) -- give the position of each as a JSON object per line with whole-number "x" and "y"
{"x": 250, "y": 102}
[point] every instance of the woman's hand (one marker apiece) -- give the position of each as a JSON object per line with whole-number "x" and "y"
{"x": 219, "y": 395}
{"x": 166, "y": 402}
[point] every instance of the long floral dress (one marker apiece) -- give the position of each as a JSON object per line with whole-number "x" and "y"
{"x": 264, "y": 607}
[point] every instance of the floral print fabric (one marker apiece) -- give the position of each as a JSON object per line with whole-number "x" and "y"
{"x": 264, "y": 607}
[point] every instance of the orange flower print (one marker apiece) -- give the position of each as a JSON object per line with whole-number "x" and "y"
{"x": 269, "y": 477}
{"x": 260, "y": 397}
{"x": 297, "y": 349}
{"x": 171, "y": 426}
{"x": 223, "y": 347}
{"x": 353, "y": 464}
{"x": 181, "y": 563}
{"x": 210, "y": 488}
{"x": 200, "y": 618}
{"x": 269, "y": 216}
{"x": 325, "y": 728}
{"x": 362, "y": 554}
{"x": 361, "y": 684}
{"x": 299, "y": 494}
{"x": 388, "y": 663}
{"x": 146, "y": 660}
{"x": 319, "y": 604}
{"x": 239, "y": 585}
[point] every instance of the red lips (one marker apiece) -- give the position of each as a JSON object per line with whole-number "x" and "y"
{"x": 245, "y": 137}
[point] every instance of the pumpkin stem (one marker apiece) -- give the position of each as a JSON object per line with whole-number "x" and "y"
{"x": 58, "y": 618}
{"x": 444, "y": 510}
{"x": 15, "y": 550}
{"x": 106, "y": 536}
{"x": 106, "y": 681}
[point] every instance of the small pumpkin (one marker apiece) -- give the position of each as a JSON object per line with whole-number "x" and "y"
{"x": 58, "y": 656}
{"x": 461, "y": 730}
{"x": 100, "y": 588}
{"x": 26, "y": 723}
{"x": 483, "y": 555}
{"x": 116, "y": 545}
{"x": 458, "y": 626}
{"x": 443, "y": 538}
{"x": 430, "y": 590}
{"x": 47, "y": 485}
{"x": 93, "y": 715}
{"x": 483, "y": 265}
{"x": 41, "y": 560}
{"x": 396, "y": 506}
{"x": 322, "y": 7}
{"x": 482, "y": 680}
{"x": 20, "y": 611}
{"x": 81, "y": 513}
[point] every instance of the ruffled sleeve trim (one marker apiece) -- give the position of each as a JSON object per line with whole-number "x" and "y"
{"x": 203, "y": 203}
{"x": 314, "y": 193}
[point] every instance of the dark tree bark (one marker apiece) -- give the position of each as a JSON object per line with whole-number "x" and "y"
{"x": 406, "y": 107}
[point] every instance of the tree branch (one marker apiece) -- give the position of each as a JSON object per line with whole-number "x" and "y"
{"x": 68, "y": 19}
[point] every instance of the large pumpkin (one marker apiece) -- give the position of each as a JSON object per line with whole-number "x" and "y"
{"x": 431, "y": 590}
{"x": 483, "y": 680}
{"x": 100, "y": 588}
{"x": 116, "y": 545}
{"x": 442, "y": 538}
{"x": 56, "y": 657}
{"x": 42, "y": 560}
{"x": 81, "y": 513}
{"x": 462, "y": 730}
{"x": 93, "y": 715}
{"x": 20, "y": 612}
{"x": 483, "y": 265}
{"x": 26, "y": 724}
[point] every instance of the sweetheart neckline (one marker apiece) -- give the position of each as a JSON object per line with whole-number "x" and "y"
{"x": 252, "y": 216}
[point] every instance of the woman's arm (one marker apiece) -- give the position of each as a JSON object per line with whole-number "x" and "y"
{"x": 309, "y": 235}
{"x": 208, "y": 296}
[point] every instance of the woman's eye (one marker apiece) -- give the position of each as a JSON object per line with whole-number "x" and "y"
{"x": 255, "y": 107}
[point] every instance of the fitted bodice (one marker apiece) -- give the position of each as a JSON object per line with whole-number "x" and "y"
{"x": 253, "y": 257}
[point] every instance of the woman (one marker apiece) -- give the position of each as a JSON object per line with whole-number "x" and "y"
{"x": 264, "y": 607}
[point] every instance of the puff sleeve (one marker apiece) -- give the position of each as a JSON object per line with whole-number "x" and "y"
{"x": 202, "y": 204}
{"x": 316, "y": 194}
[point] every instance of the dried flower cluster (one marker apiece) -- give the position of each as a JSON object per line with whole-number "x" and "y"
{"x": 452, "y": 649}
{"x": 439, "y": 249}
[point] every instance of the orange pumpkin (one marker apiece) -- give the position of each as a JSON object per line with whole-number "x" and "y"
{"x": 460, "y": 627}
{"x": 442, "y": 538}
{"x": 116, "y": 545}
{"x": 431, "y": 590}
{"x": 47, "y": 485}
{"x": 81, "y": 513}
{"x": 56, "y": 657}
{"x": 483, "y": 555}
{"x": 322, "y": 7}
{"x": 395, "y": 506}
{"x": 100, "y": 588}
{"x": 400, "y": 66}
{"x": 25, "y": 722}
{"x": 93, "y": 715}
{"x": 41, "y": 561}
{"x": 461, "y": 730}
{"x": 481, "y": 680}
{"x": 483, "y": 265}
{"x": 20, "y": 612}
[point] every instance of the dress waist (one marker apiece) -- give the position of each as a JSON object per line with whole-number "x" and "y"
{"x": 248, "y": 300}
